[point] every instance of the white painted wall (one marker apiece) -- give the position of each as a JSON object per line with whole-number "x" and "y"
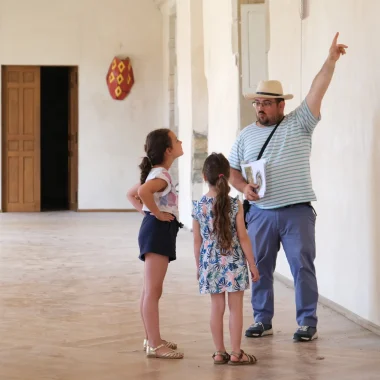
{"x": 346, "y": 144}
{"x": 88, "y": 34}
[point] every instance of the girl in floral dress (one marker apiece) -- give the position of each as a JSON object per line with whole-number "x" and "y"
{"x": 222, "y": 249}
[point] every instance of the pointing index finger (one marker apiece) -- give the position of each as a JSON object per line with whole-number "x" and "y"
{"x": 335, "y": 40}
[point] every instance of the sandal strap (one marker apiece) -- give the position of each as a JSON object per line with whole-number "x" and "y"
{"x": 171, "y": 355}
{"x": 171, "y": 345}
{"x": 237, "y": 355}
{"x": 167, "y": 355}
{"x": 157, "y": 348}
{"x": 224, "y": 355}
{"x": 251, "y": 358}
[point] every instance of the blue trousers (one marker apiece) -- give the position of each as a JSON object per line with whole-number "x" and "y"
{"x": 294, "y": 228}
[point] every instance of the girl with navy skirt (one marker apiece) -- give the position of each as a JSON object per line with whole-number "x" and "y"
{"x": 156, "y": 197}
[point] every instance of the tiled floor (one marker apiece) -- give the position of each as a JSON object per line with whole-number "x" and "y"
{"x": 69, "y": 291}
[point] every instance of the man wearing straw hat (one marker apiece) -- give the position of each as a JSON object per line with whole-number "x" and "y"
{"x": 284, "y": 215}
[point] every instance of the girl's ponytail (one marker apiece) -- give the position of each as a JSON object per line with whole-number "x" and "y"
{"x": 222, "y": 209}
{"x": 145, "y": 168}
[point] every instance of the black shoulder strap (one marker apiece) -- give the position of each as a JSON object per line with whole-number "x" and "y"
{"x": 268, "y": 139}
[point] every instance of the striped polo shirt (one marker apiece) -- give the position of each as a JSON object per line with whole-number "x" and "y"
{"x": 287, "y": 156}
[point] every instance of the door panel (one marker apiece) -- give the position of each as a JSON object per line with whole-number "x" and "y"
{"x": 21, "y": 138}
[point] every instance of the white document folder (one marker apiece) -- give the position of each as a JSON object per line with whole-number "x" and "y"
{"x": 254, "y": 173}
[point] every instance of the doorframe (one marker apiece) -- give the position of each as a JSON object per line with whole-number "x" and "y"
{"x": 3, "y": 126}
{"x": 72, "y": 139}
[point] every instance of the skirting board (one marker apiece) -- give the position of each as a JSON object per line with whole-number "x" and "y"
{"x": 337, "y": 308}
{"x": 106, "y": 210}
{"x": 102, "y": 210}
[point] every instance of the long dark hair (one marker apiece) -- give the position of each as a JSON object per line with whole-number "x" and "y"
{"x": 216, "y": 171}
{"x": 155, "y": 146}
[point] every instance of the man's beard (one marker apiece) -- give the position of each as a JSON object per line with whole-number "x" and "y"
{"x": 264, "y": 120}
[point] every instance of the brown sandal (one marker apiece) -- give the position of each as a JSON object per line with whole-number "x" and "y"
{"x": 251, "y": 359}
{"x": 226, "y": 357}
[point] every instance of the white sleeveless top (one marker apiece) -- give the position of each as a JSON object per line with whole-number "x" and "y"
{"x": 167, "y": 200}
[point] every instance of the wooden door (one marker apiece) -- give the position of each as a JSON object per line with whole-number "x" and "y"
{"x": 21, "y": 138}
{"x": 73, "y": 139}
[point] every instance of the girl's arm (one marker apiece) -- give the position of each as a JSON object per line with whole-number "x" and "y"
{"x": 132, "y": 196}
{"x": 197, "y": 243}
{"x": 146, "y": 192}
{"x": 245, "y": 242}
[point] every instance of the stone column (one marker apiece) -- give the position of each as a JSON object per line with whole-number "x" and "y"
{"x": 222, "y": 73}
{"x": 192, "y": 103}
{"x": 170, "y": 118}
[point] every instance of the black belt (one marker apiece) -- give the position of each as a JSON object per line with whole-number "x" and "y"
{"x": 298, "y": 204}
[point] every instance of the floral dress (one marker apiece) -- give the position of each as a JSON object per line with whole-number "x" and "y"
{"x": 217, "y": 273}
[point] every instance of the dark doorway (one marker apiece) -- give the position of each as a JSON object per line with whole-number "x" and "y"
{"x": 54, "y": 138}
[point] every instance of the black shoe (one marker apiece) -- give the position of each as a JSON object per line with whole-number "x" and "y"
{"x": 305, "y": 334}
{"x": 258, "y": 330}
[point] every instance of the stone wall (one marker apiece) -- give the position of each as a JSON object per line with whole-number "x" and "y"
{"x": 199, "y": 156}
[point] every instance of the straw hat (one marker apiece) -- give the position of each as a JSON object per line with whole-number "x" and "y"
{"x": 269, "y": 89}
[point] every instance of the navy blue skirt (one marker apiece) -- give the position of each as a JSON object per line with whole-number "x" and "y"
{"x": 158, "y": 237}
